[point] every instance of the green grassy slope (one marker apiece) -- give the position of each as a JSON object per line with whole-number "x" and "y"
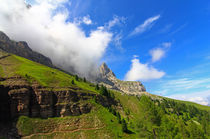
{"x": 45, "y": 76}
{"x": 145, "y": 117}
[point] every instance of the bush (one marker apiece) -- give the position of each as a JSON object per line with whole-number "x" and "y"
{"x": 94, "y": 98}
{"x": 118, "y": 117}
{"x": 124, "y": 126}
{"x": 97, "y": 87}
{"x": 112, "y": 110}
{"x": 103, "y": 91}
{"x": 76, "y": 78}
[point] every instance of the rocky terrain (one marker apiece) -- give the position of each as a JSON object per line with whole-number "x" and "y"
{"x": 108, "y": 79}
{"x": 21, "y": 48}
{"x": 18, "y": 98}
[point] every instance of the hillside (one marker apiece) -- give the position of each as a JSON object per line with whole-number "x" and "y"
{"x": 37, "y": 101}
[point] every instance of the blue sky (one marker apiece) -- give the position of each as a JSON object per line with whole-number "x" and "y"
{"x": 164, "y": 44}
{"x": 184, "y": 25}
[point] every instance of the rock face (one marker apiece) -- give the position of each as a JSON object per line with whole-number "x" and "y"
{"x": 22, "y": 49}
{"x": 18, "y": 97}
{"x": 108, "y": 78}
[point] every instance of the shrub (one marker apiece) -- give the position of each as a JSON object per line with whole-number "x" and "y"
{"x": 97, "y": 87}
{"x": 76, "y": 78}
{"x": 124, "y": 126}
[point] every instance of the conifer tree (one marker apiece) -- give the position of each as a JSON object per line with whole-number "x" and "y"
{"x": 124, "y": 126}
{"x": 97, "y": 87}
{"x": 76, "y": 78}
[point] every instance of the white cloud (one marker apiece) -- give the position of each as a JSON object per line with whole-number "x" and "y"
{"x": 117, "y": 36}
{"x": 48, "y": 31}
{"x": 135, "y": 56}
{"x": 117, "y": 40}
{"x": 187, "y": 83}
{"x": 115, "y": 21}
{"x": 202, "y": 97}
{"x": 83, "y": 20}
{"x": 159, "y": 53}
{"x": 195, "y": 90}
{"x": 167, "y": 44}
{"x": 142, "y": 72}
{"x": 148, "y": 23}
{"x": 87, "y": 20}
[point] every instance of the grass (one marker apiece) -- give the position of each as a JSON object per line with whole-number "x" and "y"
{"x": 131, "y": 110}
{"x": 1, "y": 72}
{"x": 106, "y": 124}
{"x": 45, "y": 76}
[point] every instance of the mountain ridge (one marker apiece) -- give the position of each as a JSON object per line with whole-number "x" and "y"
{"x": 21, "y": 48}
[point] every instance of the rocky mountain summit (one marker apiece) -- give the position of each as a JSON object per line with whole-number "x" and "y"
{"x": 108, "y": 79}
{"x": 22, "y": 49}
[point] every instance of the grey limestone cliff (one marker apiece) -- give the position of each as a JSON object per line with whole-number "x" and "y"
{"x": 108, "y": 79}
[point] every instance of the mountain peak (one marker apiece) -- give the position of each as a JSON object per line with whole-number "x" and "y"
{"x": 3, "y": 36}
{"x": 105, "y": 70}
{"x": 108, "y": 78}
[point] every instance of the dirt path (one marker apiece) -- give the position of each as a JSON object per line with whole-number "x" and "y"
{"x": 68, "y": 131}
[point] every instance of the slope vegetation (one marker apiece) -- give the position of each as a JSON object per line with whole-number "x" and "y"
{"x": 112, "y": 114}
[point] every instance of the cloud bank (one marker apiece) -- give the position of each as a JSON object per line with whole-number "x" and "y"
{"x": 188, "y": 89}
{"x": 148, "y": 23}
{"x": 46, "y": 28}
{"x": 202, "y": 97}
{"x": 143, "y": 72}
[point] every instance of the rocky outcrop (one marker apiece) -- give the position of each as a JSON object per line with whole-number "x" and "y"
{"x": 108, "y": 78}
{"x": 18, "y": 97}
{"x": 22, "y": 49}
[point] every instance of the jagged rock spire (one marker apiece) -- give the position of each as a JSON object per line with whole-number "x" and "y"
{"x": 105, "y": 70}
{"x": 108, "y": 78}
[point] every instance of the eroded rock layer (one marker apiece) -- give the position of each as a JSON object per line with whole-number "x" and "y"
{"x": 18, "y": 97}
